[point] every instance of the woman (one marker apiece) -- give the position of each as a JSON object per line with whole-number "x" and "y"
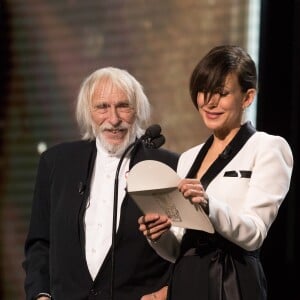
{"x": 240, "y": 176}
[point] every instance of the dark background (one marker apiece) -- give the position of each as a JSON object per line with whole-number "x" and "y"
{"x": 278, "y": 112}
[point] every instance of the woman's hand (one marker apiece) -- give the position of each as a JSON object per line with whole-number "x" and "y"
{"x": 154, "y": 225}
{"x": 193, "y": 190}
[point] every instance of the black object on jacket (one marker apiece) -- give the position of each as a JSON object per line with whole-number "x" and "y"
{"x": 55, "y": 247}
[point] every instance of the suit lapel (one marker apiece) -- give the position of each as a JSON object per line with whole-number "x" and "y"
{"x": 246, "y": 131}
{"x": 86, "y": 162}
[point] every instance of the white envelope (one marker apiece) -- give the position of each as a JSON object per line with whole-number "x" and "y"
{"x": 153, "y": 186}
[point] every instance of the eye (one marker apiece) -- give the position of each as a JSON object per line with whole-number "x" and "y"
{"x": 123, "y": 107}
{"x": 101, "y": 107}
{"x": 223, "y": 93}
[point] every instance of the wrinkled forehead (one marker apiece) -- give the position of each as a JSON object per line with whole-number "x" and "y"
{"x": 107, "y": 90}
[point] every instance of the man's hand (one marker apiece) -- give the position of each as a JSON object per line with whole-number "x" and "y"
{"x": 154, "y": 225}
{"x": 158, "y": 295}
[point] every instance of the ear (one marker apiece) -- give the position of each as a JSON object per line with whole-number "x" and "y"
{"x": 249, "y": 98}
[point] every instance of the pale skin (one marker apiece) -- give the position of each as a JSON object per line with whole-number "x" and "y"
{"x": 111, "y": 113}
{"x": 222, "y": 114}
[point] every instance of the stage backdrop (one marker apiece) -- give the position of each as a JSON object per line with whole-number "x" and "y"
{"x": 49, "y": 47}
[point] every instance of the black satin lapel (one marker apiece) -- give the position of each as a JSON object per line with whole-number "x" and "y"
{"x": 199, "y": 158}
{"x": 246, "y": 131}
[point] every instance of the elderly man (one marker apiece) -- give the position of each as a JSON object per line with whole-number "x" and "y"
{"x": 68, "y": 251}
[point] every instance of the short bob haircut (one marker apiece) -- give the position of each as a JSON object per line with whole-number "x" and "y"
{"x": 210, "y": 73}
{"x": 121, "y": 79}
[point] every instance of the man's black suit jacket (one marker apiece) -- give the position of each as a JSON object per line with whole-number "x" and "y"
{"x": 55, "y": 247}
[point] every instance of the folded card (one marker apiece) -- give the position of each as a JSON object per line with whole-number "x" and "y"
{"x": 153, "y": 187}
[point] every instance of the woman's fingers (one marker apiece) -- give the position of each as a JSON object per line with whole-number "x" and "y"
{"x": 193, "y": 190}
{"x": 189, "y": 183}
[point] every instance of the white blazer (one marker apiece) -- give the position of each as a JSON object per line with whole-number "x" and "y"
{"x": 244, "y": 191}
{"x": 244, "y": 198}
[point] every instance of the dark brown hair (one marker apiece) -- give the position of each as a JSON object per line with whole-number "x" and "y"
{"x": 210, "y": 73}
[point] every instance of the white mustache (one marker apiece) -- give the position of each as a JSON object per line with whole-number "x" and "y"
{"x": 114, "y": 129}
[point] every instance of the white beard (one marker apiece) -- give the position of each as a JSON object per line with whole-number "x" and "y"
{"x": 118, "y": 150}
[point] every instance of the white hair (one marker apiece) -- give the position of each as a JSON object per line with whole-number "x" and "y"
{"x": 122, "y": 80}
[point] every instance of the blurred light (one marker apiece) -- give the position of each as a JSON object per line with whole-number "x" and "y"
{"x": 41, "y": 147}
{"x": 253, "y": 46}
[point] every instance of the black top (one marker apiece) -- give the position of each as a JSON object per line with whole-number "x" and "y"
{"x": 55, "y": 249}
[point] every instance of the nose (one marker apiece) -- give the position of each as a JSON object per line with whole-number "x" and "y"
{"x": 213, "y": 101}
{"x": 113, "y": 116}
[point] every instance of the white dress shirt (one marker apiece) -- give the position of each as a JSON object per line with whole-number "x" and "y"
{"x": 99, "y": 211}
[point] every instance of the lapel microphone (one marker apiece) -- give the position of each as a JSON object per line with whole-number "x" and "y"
{"x": 152, "y": 139}
{"x": 81, "y": 188}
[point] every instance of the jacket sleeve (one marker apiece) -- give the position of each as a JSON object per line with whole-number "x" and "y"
{"x": 248, "y": 212}
{"x": 36, "y": 263}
